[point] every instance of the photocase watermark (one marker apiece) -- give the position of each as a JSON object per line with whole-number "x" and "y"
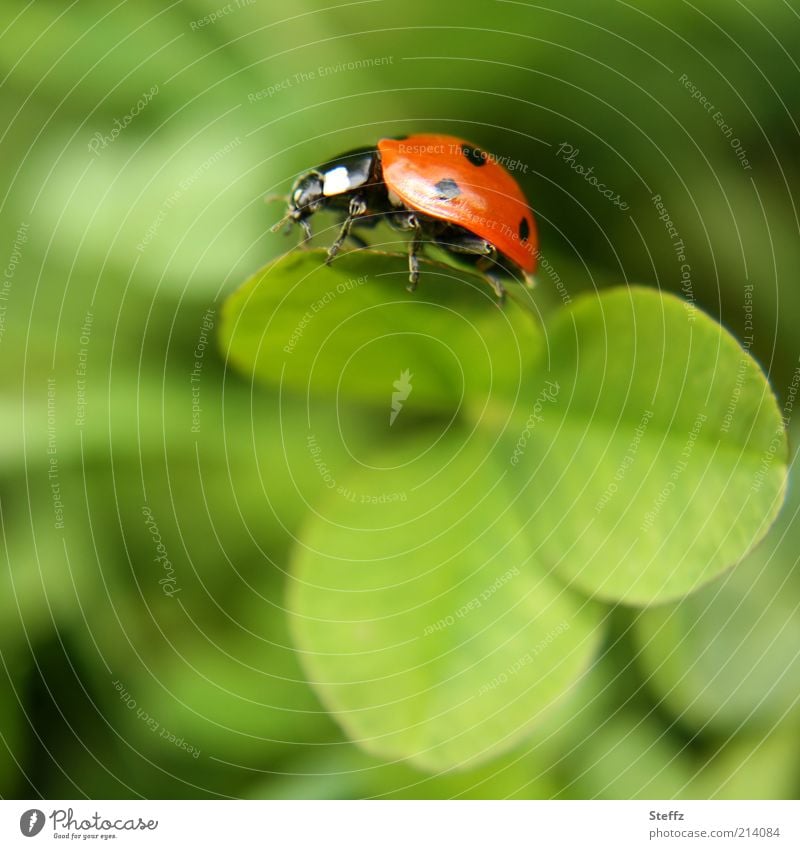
{"x": 569, "y": 154}
{"x": 80, "y": 370}
{"x": 66, "y": 826}
{"x": 52, "y": 456}
{"x": 194, "y": 378}
{"x": 545, "y": 265}
{"x": 322, "y": 467}
{"x": 329, "y": 480}
{"x": 367, "y": 498}
{"x": 223, "y": 11}
{"x": 31, "y": 822}
{"x": 679, "y": 468}
{"x": 548, "y": 395}
{"x": 525, "y": 659}
{"x": 168, "y": 582}
{"x": 9, "y": 271}
{"x": 626, "y": 463}
{"x": 483, "y": 222}
{"x": 322, "y": 71}
{"x": 744, "y": 360}
{"x": 791, "y": 394}
{"x": 152, "y": 723}
{"x": 319, "y": 304}
{"x": 768, "y": 457}
{"x": 100, "y": 141}
{"x": 680, "y": 255}
{"x": 183, "y": 187}
{"x": 475, "y": 154}
{"x": 473, "y": 604}
{"x": 747, "y": 308}
{"x": 402, "y": 389}
{"x": 719, "y": 119}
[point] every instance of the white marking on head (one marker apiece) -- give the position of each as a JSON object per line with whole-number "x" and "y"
{"x": 336, "y": 181}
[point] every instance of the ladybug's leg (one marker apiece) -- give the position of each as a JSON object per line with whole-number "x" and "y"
{"x": 413, "y": 259}
{"x": 303, "y": 222}
{"x": 410, "y": 221}
{"x": 463, "y": 242}
{"x": 485, "y": 253}
{"x": 358, "y": 206}
{"x": 497, "y": 284}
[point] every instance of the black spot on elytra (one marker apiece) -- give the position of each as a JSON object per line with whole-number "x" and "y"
{"x": 474, "y": 154}
{"x": 524, "y": 230}
{"x": 448, "y": 189}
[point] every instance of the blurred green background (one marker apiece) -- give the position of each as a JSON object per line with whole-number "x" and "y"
{"x": 125, "y": 226}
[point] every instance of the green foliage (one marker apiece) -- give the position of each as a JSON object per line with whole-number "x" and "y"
{"x": 727, "y": 656}
{"x": 650, "y": 490}
{"x": 728, "y": 773}
{"x": 424, "y": 589}
{"x": 152, "y": 231}
{"x": 350, "y": 328}
{"x": 422, "y": 623}
{"x": 12, "y": 719}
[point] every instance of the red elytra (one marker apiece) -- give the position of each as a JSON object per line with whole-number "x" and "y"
{"x": 489, "y": 201}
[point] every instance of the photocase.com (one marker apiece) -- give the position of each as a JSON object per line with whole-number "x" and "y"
{"x": 570, "y": 155}
{"x": 31, "y": 822}
{"x": 168, "y": 583}
{"x": 403, "y": 389}
{"x": 100, "y": 141}
{"x": 548, "y": 395}
{"x": 64, "y": 819}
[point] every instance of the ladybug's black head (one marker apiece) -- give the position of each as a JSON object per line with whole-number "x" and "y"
{"x": 305, "y": 199}
{"x": 307, "y": 196}
{"x": 333, "y": 183}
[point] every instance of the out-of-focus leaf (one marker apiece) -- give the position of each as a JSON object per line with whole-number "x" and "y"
{"x": 347, "y": 772}
{"x": 631, "y": 756}
{"x": 654, "y": 456}
{"x": 445, "y": 646}
{"x": 729, "y": 655}
{"x": 350, "y": 329}
{"x": 751, "y": 768}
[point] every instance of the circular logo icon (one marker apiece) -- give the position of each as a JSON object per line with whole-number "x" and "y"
{"x": 31, "y": 822}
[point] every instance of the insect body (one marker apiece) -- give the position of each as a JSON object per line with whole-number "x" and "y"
{"x": 441, "y": 189}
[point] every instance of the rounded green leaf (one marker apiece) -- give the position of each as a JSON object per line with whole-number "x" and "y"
{"x": 628, "y": 757}
{"x": 760, "y": 767}
{"x": 653, "y": 455}
{"x": 419, "y": 616}
{"x": 351, "y": 329}
{"x": 728, "y": 656}
{"x": 348, "y": 772}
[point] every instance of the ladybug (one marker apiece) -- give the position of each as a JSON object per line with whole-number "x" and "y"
{"x": 442, "y": 189}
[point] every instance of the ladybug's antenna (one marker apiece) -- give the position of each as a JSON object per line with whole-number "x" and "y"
{"x": 289, "y": 219}
{"x": 285, "y": 220}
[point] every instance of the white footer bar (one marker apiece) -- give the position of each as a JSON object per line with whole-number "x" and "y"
{"x": 401, "y": 825}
